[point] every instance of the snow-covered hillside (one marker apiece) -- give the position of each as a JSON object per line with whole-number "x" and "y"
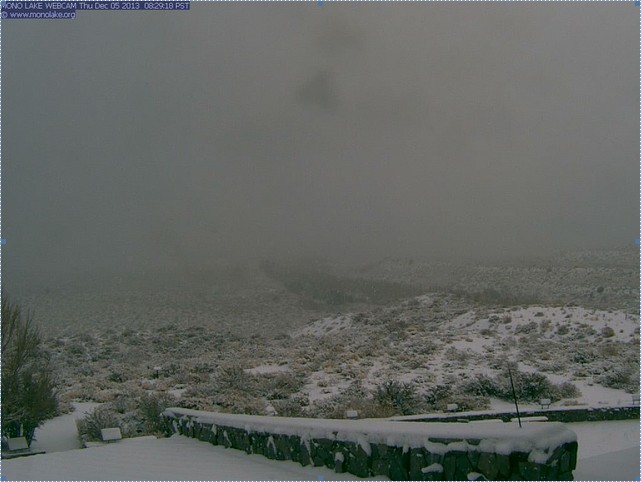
{"x": 439, "y": 348}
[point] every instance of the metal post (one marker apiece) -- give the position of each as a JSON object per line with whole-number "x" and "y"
{"x": 516, "y": 404}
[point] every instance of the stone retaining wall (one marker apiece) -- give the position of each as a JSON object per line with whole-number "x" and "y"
{"x": 400, "y": 451}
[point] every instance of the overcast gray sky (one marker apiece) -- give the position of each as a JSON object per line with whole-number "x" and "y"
{"x": 138, "y": 139}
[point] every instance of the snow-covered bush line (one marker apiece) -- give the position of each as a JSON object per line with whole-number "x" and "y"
{"x": 529, "y": 387}
{"x": 134, "y": 415}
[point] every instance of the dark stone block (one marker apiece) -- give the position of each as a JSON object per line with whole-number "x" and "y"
{"x": 380, "y": 450}
{"x": 380, "y": 460}
{"x": 399, "y": 463}
{"x": 283, "y": 450}
{"x": 356, "y": 459}
{"x": 294, "y": 449}
{"x": 322, "y": 453}
{"x": 463, "y": 466}
{"x": 433, "y": 458}
{"x": 473, "y": 457}
{"x": 417, "y": 462}
{"x": 247, "y": 443}
{"x": 553, "y": 470}
{"x": 573, "y": 448}
{"x": 515, "y": 459}
{"x": 531, "y": 471}
{"x": 328, "y": 451}
{"x": 303, "y": 456}
{"x": 380, "y": 467}
{"x": 488, "y": 465}
{"x": 503, "y": 464}
{"x": 449, "y": 465}
{"x": 259, "y": 442}
{"x": 204, "y": 435}
{"x": 339, "y": 463}
{"x": 220, "y": 436}
{"x": 316, "y": 455}
{"x": 213, "y": 438}
{"x": 564, "y": 462}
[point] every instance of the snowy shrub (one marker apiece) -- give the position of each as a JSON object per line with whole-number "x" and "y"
{"x": 621, "y": 377}
{"x": 292, "y": 407}
{"x": 399, "y": 395}
{"x": 90, "y": 426}
{"x": 459, "y": 356}
{"x": 531, "y": 387}
{"x": 583, "y": 355}
{"x": 437, "y": 393}
{"x": 564, "y": 390}
{"x": 530, "y": 327}
{"x": 607, "y": 332}
{"x": 338, "y": 405}
{"x": 545, "y": 326}
{"x": 233, "y": 377}
{"x": 279, "y": 386}
{"x": 608, "y": 350}
{"x": 123, "y": 404}
{"x": 482, "y": 386}
{"x": 464, "y": 402}
{"x": 150, "y": 407}
{"x": 196, "y": 403}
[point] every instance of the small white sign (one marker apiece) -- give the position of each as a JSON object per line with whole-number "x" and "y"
{"x": 109, "y": 434}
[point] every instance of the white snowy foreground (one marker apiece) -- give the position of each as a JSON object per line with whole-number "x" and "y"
{"x": 607, "y": 451}
{"x": 174, "y": 458}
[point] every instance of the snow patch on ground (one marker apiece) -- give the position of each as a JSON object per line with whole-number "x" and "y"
{"x": 624, "y": 325}
{"x": 267, "y": 369}
{"x": 326, "y": 326}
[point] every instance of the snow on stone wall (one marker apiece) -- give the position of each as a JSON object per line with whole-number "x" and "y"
{"x": 401, "y": 451}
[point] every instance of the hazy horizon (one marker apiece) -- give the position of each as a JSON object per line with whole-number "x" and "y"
{"x": 145, "y": 140}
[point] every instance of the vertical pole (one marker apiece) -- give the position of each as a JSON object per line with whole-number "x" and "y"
{"x": 516, "y": 404}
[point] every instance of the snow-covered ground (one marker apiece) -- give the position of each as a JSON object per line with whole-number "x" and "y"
{"x": 621, "y": 323}
{"x": 607, "y": 451}
{"x": 60, "y": 434}
{"x": 175, "y": 458}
